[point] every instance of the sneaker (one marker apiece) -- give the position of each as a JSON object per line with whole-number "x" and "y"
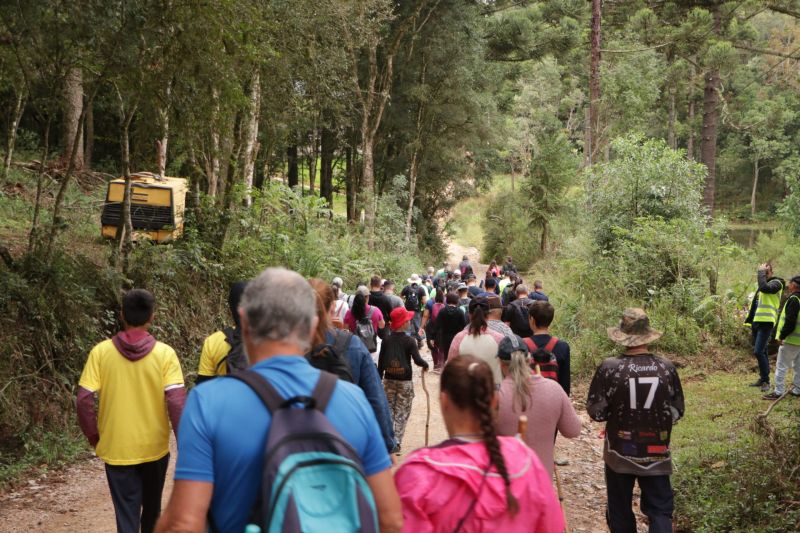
{"x": 757, "y": 383}
{"x": 795, "y": 393}
{"x": 765, "y": 386}
{"x": 772, "y": 396}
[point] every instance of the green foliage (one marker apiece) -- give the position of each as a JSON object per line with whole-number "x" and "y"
{"x": 645, "y": 178}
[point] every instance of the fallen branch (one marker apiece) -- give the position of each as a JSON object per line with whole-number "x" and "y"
{"x": 766, "y": 413}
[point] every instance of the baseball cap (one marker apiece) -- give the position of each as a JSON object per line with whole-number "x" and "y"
{"x": 509, "y": 345}
{"x": 337, "y": 281}
{"x": 462, "y": 287}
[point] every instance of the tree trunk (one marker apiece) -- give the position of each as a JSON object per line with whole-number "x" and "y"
{"x": 327, "y": 147}
{"x": 212, "y": 159}
{"x": 690, "y": 140}
{"x": 543, "y": 242}
{"x": 594, "y": 76}
{"x": 33, "y": 236}
{"x": 350, "y": 184}
{"x": 73, "y": 112}
{"x": 124, "y": 235}
{"x": 412, "y": 187}
{"x": 11, "y": 137}
{"x": 163, "y": 142}
{"x": 708, "y": 143}
{"x": 671, "y": 121}
{"x": 367, "y": 187}
{"x": 88, "y": 146}
{"x": 312, "y": 161}
{"x": 587, "y": 139}
{"x": 251, "y": 140}
{"x": 291, "y": 161}
{"x": 755, "y": 187}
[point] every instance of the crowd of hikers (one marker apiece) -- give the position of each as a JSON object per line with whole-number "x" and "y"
{"x": 304, "y": 432}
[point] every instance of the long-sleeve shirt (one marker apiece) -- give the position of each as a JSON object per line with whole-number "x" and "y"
{"x": 766, "y": 285}
{"x": 394, "y": 361}
{"x": 790, "y": 311}
{"x": 548, "y": 410}
{"x": 639, "y": 397}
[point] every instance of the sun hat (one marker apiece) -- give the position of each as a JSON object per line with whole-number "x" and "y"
{"x": 509, "y": 345}
{"x": 634, "y": 329}
{"x": 415, "y": 279}
{"x": 494, "y": 302}
{"x": 399, "y": 317}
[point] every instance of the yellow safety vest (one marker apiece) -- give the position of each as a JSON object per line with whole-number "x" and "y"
{"x": 768, "y": 307}
{"x": 793, "y": 337}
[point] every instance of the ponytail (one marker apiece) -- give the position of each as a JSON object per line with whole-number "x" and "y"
{"x": 520, "y": 371}
{"x": 469, "y": 384}
{"x": 478, "y": 309}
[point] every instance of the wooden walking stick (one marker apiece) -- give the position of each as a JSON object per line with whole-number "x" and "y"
{"x": 561, "y": 497}
{"x": 428, "y": 407}
{"x": 522, "y": 430}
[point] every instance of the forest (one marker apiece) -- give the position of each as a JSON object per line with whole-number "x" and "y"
{"x": 627, "y": 152}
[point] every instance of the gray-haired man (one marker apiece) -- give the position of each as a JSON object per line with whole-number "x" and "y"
{"x": 224, "y": 427}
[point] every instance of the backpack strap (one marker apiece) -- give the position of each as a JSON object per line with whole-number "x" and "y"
{"x": 324, "y": 390}
{"x": 341, "y": 340}
{"x": 263, "y": 388}
{"x": 551, "y": 344}
{"x": 530, "y": 344}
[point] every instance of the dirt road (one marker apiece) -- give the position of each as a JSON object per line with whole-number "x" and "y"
{"x": 77, "y": 498}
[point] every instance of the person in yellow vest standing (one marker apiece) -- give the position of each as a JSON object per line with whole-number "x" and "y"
{"x": 762, "y": 318}
{"x": 140, "y": 384}
{"x": 222, "y": 350}
{"x": 788, "y": 335}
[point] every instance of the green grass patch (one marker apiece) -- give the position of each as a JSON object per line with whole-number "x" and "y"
{"x": 467, "y": 217}
{"x": 39, "y": 451}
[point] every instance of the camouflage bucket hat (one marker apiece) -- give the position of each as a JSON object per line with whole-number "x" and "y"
{"x": 634, "y": 329}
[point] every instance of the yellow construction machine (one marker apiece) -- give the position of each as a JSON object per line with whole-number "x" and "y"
{"x": 157, "y": 207}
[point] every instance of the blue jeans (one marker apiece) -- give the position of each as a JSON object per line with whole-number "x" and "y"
{"x": 761, "y": 334}
{"x": 657, "y": 502}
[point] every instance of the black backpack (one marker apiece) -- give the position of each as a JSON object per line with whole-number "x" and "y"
{"x": 236, "y": 358}
{"x": 333, "y": 357}
{"x": 412, "y": 298}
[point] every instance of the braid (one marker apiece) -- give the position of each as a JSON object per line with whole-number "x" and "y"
{"x": 486, "y": 419}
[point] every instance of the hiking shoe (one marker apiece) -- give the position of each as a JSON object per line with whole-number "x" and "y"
{"x": 758, "y": 383}
{"x": 795, "y": 393}
{"x": 771, "y": 396}
{"x": 765, "y": 386}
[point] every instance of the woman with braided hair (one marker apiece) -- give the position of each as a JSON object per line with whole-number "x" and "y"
{"x": 475, "y": 481}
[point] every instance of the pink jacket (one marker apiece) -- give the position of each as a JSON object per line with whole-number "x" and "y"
{"x": 438, "y": 485}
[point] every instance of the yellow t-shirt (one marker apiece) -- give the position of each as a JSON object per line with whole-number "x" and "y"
{"x": 215, "y": 347}
{"x": 133, "y": 421}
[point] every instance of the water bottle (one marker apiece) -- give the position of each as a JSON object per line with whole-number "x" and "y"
{"x": 252, "y": 528}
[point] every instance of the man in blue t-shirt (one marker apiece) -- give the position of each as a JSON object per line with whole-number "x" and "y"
{"x": 224, "y": 425}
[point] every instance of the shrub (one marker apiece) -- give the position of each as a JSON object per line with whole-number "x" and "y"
{"x": 645, "y": 178}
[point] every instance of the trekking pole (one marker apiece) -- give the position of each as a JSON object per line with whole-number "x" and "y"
{"x": 561, "y": 497}
{"x": 428, "y": 406}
